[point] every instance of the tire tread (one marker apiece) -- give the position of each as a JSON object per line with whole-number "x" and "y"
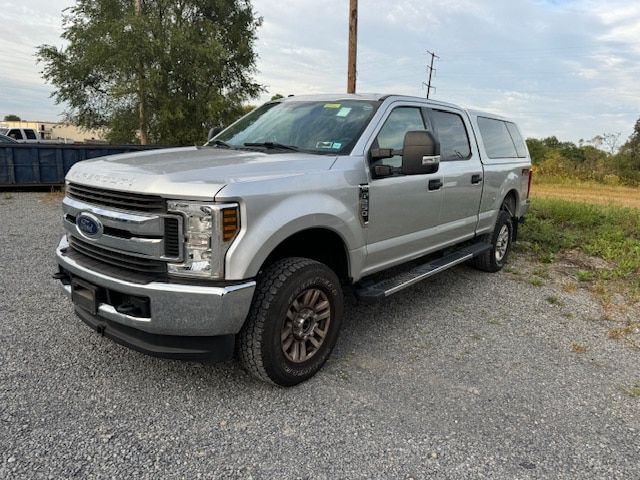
{"x": 249, "y": 340}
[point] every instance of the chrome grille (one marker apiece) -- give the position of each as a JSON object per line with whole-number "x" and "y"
{"x": 117, "y": 259}
{"x": 117, "y": 199}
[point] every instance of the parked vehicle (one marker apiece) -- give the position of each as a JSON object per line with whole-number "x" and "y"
{"x": 5, "y": 139}
{"x": 21, "y": 135}
{"x": 247, "y": 244}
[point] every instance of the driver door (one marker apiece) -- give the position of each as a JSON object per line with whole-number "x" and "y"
{"x": 404, "y": 210}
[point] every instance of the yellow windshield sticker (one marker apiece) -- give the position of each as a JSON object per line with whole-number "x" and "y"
{"x": 332, "y": 105}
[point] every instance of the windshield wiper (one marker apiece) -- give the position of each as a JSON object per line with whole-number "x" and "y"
{"x": 272, "y": 146}
{"x": 219, "y": 143}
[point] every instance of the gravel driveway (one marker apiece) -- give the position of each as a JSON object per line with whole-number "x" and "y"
{"x": 468, "y": 375}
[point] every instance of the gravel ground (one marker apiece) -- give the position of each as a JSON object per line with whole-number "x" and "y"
{"x": 471, "y": 375}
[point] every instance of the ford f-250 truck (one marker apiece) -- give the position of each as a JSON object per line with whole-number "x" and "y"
{"x": 245, "y": 245}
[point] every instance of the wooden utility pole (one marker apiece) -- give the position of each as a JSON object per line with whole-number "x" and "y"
{"x": 142, "y": 108}
{"x": 353, "y": 45}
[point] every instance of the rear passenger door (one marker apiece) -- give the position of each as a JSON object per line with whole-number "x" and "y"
{"x": 462, "y": 174}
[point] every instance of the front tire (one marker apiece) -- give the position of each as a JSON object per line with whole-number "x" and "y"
{"x": 501, "y": 239}
{"x": 293, "y": 323}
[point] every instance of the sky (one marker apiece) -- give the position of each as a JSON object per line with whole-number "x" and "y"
{"x": 569, "y": 68}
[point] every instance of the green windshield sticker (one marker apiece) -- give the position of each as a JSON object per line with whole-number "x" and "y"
{"x": 336, "y": 145}
{"x": 343, "y": 112}
{"x": 332, "y": 105}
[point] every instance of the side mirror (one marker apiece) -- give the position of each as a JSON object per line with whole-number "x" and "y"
{"x": 420, "y": 153}
{"x": 213, "y": 132}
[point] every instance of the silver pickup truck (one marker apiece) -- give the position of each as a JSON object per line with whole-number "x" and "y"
{"x": 245, "y": 245}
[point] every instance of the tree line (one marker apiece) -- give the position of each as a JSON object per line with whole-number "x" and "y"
{"x": 154, "y": 71}
{"x": 598, "y": 160}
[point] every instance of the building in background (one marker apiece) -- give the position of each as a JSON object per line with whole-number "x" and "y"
{"x": 59, "y": 132}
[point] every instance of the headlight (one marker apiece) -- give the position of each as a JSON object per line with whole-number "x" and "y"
{"x": 209, "y": 230}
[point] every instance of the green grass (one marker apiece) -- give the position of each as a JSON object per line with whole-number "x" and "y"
{"x": 632, "y": 391}
{"x": 611, "y": 233}
{"x": 536, "y": 282}
{"x": 553, "y": 300}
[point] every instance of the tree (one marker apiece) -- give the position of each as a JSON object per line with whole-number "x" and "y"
{"x": 611, "y": 140}
{"x": 277, "y": 96}
{"x": 630, "y": 151}
{"x": 164, "y": 70}
{"x": 11, "y": 118}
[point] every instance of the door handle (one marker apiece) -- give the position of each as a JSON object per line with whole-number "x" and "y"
{"x": 435, "y": 184}
{"x": 476, "y": 178}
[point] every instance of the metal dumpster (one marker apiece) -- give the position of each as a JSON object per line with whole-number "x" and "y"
{"x": 41, "y": 164}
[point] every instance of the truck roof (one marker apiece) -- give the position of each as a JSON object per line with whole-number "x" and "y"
{"x": 372, "y": 97}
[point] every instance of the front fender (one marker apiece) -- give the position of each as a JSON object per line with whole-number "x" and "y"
{"x": 270, "y": 221}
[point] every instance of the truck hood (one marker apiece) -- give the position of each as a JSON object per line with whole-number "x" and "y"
{"x": 192, "y": 172}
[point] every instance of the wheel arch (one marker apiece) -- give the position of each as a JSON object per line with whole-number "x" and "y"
{"x": 317, "y": 243}
{"x": 510, "y": 202}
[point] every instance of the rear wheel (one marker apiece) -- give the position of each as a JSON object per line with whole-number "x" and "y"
{"x": 501, "y": 239}
{"x": 293, "y": 323}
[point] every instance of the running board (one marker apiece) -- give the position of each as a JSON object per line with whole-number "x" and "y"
{"x": 389, "y": 286}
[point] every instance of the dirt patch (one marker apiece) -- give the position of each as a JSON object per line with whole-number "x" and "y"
{"x": 54, "y": 196}
{"x": 572, "y": 260}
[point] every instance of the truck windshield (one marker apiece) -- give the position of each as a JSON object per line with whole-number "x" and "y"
{"x": 307, "y": 126}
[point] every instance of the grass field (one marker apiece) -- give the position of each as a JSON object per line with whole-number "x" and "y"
{"x": 587, "y": 192}
{"x": 611, "y": 233}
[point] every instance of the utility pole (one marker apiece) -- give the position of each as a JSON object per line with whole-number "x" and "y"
{"x": 431, "y": 70}
{"x": 142, "y": 108}
{"x": 353, "y": 45}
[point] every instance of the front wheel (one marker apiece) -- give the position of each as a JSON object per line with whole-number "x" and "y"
{"x": 293, "y": 322}
{"x": 496, "y": 257}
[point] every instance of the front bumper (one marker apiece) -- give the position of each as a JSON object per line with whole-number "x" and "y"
{"x": 174, "y": 309}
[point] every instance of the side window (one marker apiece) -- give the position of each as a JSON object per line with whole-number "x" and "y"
{"x": 31, "y": 135}
{"x": 496, "y": 138}
{"x": 452, "y": 135}
{"x": 400, "y": 121}
{"x": 15, "y": 133}
{"x": 521, "y": 148}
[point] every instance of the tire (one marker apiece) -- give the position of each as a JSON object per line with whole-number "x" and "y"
{"x": 293, "y": 323}
{"x": 494, "y": 259}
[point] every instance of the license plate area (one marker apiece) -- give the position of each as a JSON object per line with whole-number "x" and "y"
{"x": 84, "y": 295}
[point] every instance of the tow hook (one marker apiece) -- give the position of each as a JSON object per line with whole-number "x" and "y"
{"x": 63, "y": 277}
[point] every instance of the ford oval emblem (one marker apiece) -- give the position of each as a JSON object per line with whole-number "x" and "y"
{"x": 89, "y": 225}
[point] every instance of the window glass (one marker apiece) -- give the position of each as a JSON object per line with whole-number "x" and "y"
{"x": 30, "y": 135}
{"x": 452, "y": 135}
{"x": 521, "y": 148}
{"x": 400, "y": 121}
{"x": 15, "y": 133}
{"x": 311, "y": 126}
{"x": 496, "y": 138}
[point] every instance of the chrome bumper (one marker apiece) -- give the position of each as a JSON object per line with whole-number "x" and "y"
{"x": 181, "y": 310}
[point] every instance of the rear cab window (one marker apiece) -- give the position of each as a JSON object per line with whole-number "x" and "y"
{"x": 521, "y": 147}
{"x": 501, "y": 139}
{"x": 31, "y": 135}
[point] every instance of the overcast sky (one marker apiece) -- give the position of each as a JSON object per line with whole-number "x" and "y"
{"x": 569, "y": 68}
